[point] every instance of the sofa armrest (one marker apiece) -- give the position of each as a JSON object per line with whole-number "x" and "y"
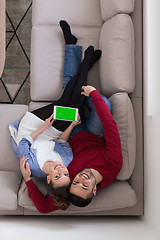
{"x": 10, "y": 182}
{"x": 9, "y": 113}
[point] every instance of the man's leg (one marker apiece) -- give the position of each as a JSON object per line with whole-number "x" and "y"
{"x": 93, "y": 124}
{"x": 73, "y": 53}
{"x": 73, "y": 57}
{"x": 68, "y": 36}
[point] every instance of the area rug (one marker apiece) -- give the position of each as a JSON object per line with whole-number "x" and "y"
{"x": 15, "y": 80}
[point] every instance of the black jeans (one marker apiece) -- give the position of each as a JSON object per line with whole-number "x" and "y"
{"x": 71, "y": 96}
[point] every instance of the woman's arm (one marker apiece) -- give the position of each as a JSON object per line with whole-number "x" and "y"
{"x": 42, "y": 203}
{"x": 25, "y": 143}
{"x": 47, "y": 124}
{"x": 66, "y": 134}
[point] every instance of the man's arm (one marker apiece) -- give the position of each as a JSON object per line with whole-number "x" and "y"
{"x": 42, "y": 203}
{"x": 111, "y": 134}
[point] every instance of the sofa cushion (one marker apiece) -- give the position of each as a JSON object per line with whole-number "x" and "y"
{"x": 79, "y": 12}
{"x": 117, "y": 195}
{"x": 47, "y": 59}
{"x": 9, "y": 113}
{"x": 123, "y": 114}
{"x": 110, "y": 8}
{"x": 10, "y": 182}
{"x": 117, "y": 67}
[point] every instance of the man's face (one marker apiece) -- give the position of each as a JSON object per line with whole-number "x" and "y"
{"x": 83, "y": 184}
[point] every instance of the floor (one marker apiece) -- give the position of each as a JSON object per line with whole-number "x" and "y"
{"x": 15, "y": 81}
{"x": 75, "y": 228}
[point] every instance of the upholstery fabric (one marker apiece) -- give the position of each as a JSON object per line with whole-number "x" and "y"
{"x": 117, "y": 67}
{"x": 80, "y": 12}
{"x": 122, "y": 111}
{"x": 109, "y": 8}
{"x": 9, "y": 113}
{"x": 10, "y": 182}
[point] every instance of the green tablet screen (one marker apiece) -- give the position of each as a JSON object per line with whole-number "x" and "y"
{"x": 65, "y": 113}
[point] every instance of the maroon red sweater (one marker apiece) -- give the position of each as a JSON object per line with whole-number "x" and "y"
{"x": 89, "y": 151}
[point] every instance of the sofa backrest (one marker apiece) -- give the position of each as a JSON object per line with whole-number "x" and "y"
{"x": 103, "y": 24}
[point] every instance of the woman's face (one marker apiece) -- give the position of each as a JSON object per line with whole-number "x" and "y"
{"x": 59, "y": 174}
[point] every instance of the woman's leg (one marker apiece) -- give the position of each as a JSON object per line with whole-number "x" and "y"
{"x": 72, "y": 93}
{"x": 73, "y": 55}
{"x": 65, "y": 100}
{"x": 77, "y": 98}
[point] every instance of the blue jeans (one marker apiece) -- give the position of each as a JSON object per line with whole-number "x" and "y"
{"x": 93, "y": 123}
{"x": 73, "y": 55}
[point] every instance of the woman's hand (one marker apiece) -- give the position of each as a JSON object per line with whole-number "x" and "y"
{"x": 48, "y": 122}
{"x": 75, "y": 123}
{"x": 25, "y": 170}
{"x": 65, "y": 135}
{"x": 87, "y": 90}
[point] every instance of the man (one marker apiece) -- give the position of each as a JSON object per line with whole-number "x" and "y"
{"x": 96, "y": 162}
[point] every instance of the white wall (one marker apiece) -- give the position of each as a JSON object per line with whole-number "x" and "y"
{"x": 152, "y": 55}
{"x": 152, "y": 112}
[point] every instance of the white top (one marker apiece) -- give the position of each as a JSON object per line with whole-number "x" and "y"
{"x": 44, "y": 143}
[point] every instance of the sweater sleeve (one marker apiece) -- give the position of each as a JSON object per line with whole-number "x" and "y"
{"x": 111, "y": 134}
{"x": 42, "y": 203}
{"x": 24, "y": 147}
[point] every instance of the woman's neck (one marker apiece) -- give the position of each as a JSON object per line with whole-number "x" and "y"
{"x": 47, "y": 166}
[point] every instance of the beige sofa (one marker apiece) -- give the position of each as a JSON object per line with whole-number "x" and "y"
{"x": 115, "y": 27}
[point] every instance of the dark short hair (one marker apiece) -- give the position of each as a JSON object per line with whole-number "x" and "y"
{"x": 79, "y": 201}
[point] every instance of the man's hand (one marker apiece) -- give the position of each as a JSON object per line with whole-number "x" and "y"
{"x": 25, "y": 170}
{"x": 48, "y": 122}
{"x": 75, "y": 123}
{"x": 87, "y": 90}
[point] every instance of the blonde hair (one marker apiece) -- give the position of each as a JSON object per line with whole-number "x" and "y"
{"x": 60, "y": 195}
{"x": 61, "y": 202}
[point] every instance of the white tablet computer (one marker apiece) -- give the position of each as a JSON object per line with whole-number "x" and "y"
{"x": 65, "y": 113}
